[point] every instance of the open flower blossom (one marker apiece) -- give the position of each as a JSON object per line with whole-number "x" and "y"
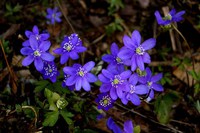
{"x": 80, "y": 76}
{"x": 114, "y": 81}
{"x": 135, "y": 90}
{"x": 72, "y": 87}
{"x": 172, "y": 16}
{"x": 53, "y": 15}
{"x": 104, "y": 101}
{"x": 151, "y": 82}
{"x": 135, "y": 51}
{"x": 35, "y": 33}
{"x": 70, "y": 47}
{"x": 128, "y": 126}
{"x": 36, "y": 53}
{"x": 113, "y": 59}
{"x": 50, "y": 71}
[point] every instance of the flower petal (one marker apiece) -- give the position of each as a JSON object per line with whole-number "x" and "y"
{"x": 28, "y": 33}
{"x": 44, "y": 36}
{"x": 105, "y": 87}
{"x": 133, "y": 63}
{"x": 103, "y": 79}
{"x": 146, "y": 58}
{"x": 148, "y": 44}
{"x": 157, "y": 87}
{"x": 159, "y": 18}
{"x": 108, "y": 58}
{"x": 35, "y": 30}
{"x": 73, "y": 55}
{"x": 26, "y": 51}
{"x": 85, "y": 84}
{"x": 47, "y": 56}
{"x": 80, "y": 49}
{"x": 89, "y": 65}
{"x": 178, "y": 17}
{"x": 71, "y": 80}
{"x": 125, "y": 53}
{"x": 128, "y": 126}
{"x": 119, "y": 92}
{"x": 38, "y": 64}
{"x": 107, "y": 74}
{"x": 156, "y": 77}
{"x": 28, "y": 60}
{"x": 141, "y": 89}
{"x": 69, "y": 70}
{"x": 135, "y": 99}
{"x": 33, "y": 42}
{"x": 64, "y": 58}
{"x": 133, "y": 79}
{"x": 140, "y": 62}
{"x": 136, "y": 38}
{"x": 125, "y": 74}
{"x": 26, "y": 43}
{"x": 78, "y": 83}
{"x": 91, "y": 77}
{"x": 114, "y": 49}
{"x": 45, "y": 45}
{"x": 113, "y": 93}
{"x": 128, "y": 42}
{"x": 58, "y": 51}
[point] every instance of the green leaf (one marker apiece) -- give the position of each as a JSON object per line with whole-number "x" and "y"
{"x": 137, "y": 129}
{"x": 41, "y": 85}
{"x": 66, "y": 115}
{"x": 17, "y": 8}
{"x": 197, "y": 105}
{"x": 163, "y": 105}
{"x": 50, "y": 118}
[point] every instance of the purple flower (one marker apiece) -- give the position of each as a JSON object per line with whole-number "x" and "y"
{"x": 114, "y": 81}
{"x": 128, "y": 126}
{"x": 80, "y": 76}
{"x": 53, "y": 15}
{"x": 35, "y": 33}
{"x": 113, "y": 59}
{"x": 104, "y": 101}
{"x": 50, "y": 71}
{"x": 37, "y": 53}
{"x": 134, "y": 91}
{"x": 172, "y": 16}
{"x": 70, "y": 47}
{"x": 151, "y": 82}
{"x": 72, "y": 87}
{"x": 135, "y": 51}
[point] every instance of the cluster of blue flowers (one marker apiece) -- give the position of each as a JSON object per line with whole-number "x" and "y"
{"x": 126, "y": 76}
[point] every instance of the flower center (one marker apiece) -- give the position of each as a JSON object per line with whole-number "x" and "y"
{"x": 50, "y": 70}
{"x": 81, "y": 72}
{"x": 117, "y": 80}
{"x": 37, "y": 53}
{"x": 140, "y": 50}
{"x": 167, "y": 17}
{"x": 132, "y": 89}
{"x": 149, "y": 83}
{"x": 105, "y": 101}
{"x": 37, "y": 37}
{"x": 119, "y": 61}
{"x": 68, "y": 46}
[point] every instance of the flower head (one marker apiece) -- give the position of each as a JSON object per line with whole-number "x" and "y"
{"x": 135, "y": 89}
{"x": 35, "y": 33}
{"x": 104, "y": 101}
{"x": 172, "y": 16}
{"x": 135, "y": 52}
{"x": 70, "y": 47}
{"x": 53, "y": 15}
{"x": 114, "y": 81}
{"x": 36, "y": 52}
{"x": 80, "y": 76}
{"x": 113, "y": 59}
{"x": 152, "y": 82}
{"x": 50, "y": 71}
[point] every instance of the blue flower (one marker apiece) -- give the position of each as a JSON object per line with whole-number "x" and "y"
{"x": 70, "y": 47}
{"x": 134, "y": 91}
{"x": 113, "y": 59}
{"x": 50, "y": 71}
{"x": 80, "y": 76}
{"x": 114, "y": 81}
{"x": 72, "y": 87}
{"x": 172, "y": 16}
{"x": 35, "y": 33}
{"x": 104, "y": 101}
{"x": 37, "y": 53}
{"x": 152, "y": 82}
{"x": 53, "y": 15}
{"x": 128, "y": 126}
{"x": 135, "y": 51}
